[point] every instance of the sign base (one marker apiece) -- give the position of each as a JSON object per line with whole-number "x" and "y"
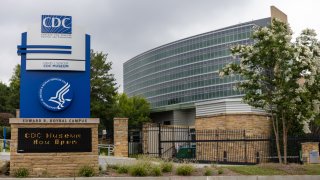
{"x": 54, "y": 147}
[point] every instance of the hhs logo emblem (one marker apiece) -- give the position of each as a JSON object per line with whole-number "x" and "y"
{"x": 56, "y": 24}
{"x": 55, "y": 94}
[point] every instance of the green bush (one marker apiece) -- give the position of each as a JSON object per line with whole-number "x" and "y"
{"x": 156, "y": 171}
{"x": 124, "y": 169}
{"x": 220, "y": 171}
{"x": 113, "y": 166}
{"x": 86, "y": 171}
{"x": 146, "y": 158}
{"x": 166, "y": 167}
{"x": 208, "y": 172}
{"x": 103, "y": 151}
{"x": 140, "y": 169}
{"x": 21, "y": 173}
{"x": 185, "y": 170}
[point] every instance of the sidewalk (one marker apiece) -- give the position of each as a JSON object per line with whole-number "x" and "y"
{"x": 300, "y": 177}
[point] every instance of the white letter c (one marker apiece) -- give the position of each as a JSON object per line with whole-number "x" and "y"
{"x": 44, "y": 22}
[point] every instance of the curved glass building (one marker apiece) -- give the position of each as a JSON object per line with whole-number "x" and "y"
{"x": 176, "y": 76}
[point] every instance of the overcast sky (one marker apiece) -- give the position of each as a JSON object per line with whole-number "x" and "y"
{"x": 126, "y": 28}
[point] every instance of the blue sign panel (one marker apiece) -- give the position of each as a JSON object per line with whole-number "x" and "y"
{"x": 56, "y": 24}
{"x": 56, "y": 92}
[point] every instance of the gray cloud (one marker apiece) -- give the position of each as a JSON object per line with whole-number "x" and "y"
{"x": 124, "y": 28}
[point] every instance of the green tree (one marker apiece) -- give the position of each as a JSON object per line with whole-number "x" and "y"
{"x": 14, "y": 90}
{"x": 315, "y": 127}
{"x": 103, "y": 88}
{"x": 280, "y": 77}
{"x": 136, "y": 109}
{"x": 4, "y": 91}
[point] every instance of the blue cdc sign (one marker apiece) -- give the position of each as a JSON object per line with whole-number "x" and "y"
{"x": 55, "y": 70}
{"x": 56, "y": 24}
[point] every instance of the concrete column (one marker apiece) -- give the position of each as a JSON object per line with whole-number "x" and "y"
{"x": 17, "y": 113}
{"x": 120, "y": 137}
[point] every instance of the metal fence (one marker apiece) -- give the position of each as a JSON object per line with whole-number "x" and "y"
{"x": 134, "y": 140}
{"x": 154, "y": 136}
{"x": 183, "y": 143}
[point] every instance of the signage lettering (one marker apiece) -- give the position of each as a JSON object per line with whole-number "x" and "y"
{"x": 56, "y": 24}
{"x": 32, "y": 140}
{"x": 55, "y": 120}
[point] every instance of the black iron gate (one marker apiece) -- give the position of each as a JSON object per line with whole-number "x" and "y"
{"x": 134, "y": 140}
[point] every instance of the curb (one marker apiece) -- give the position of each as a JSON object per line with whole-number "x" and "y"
{"x": 294, "y": 177}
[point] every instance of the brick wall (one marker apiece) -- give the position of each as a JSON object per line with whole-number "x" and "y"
{"x": 53, "y": 164}
{"x": 240, "y": 125}
{"x": 252, "y": 123}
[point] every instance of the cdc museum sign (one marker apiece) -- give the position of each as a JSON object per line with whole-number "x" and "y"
{"x": 54, "y": 124}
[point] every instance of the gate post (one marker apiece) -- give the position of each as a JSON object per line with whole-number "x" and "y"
{"x": 120, "y": 137}
{"x": 245, "y": 146}
{"x": 159, "y": 141}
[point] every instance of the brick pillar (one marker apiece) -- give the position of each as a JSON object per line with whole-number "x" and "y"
{"x": 120, "y": 126}
{"x": 307, "y": 147}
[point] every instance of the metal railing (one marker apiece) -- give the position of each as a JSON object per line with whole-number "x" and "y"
{"x": 5, "y": 145}
{"x": 106, "y": 149}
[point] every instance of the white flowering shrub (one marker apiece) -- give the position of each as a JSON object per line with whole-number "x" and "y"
{"x": 280, "y": 73}
{"x": 282, "y": 77}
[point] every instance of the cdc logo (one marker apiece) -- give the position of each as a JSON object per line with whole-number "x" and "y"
{"x": 55, "y": 94}
{"x": 56, "y": 24}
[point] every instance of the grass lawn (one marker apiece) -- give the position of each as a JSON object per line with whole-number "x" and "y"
{"x": 276, "y": 169}
{"x": 313, "y": 169}
{"x": 255, "y": 170}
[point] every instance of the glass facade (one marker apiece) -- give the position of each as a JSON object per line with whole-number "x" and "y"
{"x": 183, "y": 72}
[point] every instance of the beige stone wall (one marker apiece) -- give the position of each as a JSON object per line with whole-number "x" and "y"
{"x": 232, "y": 126}
{"x": 252, "y": 123}
{"x": 276, "y": 13}
{"x": 53, "y": 164}
{"x": 307, "y": 148}
{"x": 120, "y": 126}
